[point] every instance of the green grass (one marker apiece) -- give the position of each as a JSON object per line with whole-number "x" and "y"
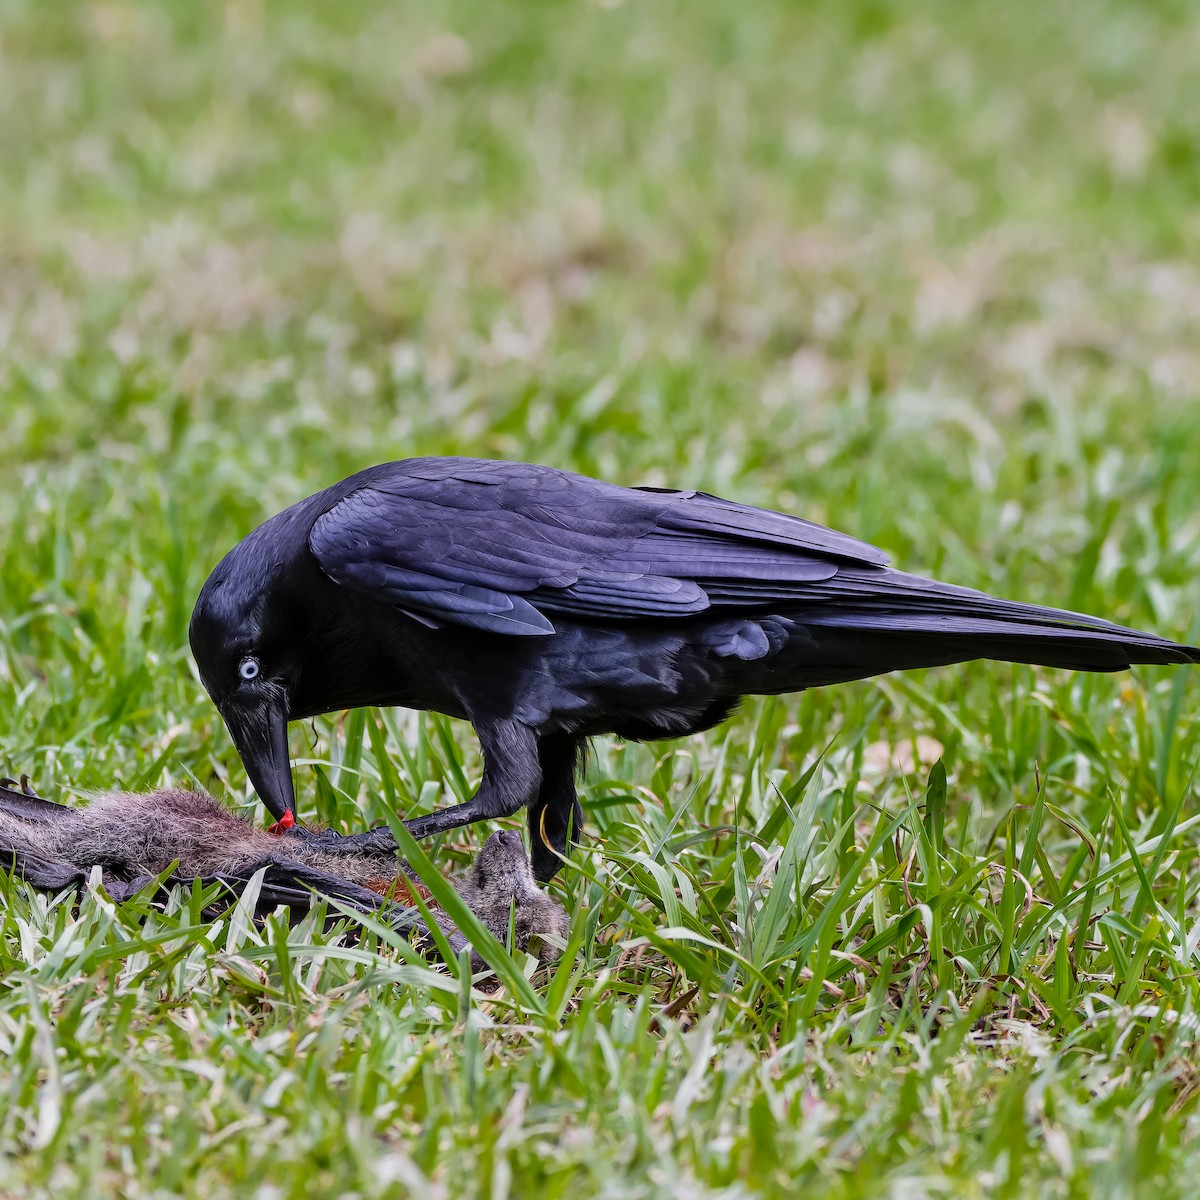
{"x": 924, "y": 271}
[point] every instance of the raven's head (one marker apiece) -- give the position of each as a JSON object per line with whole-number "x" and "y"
{"x": 247, "y": 645}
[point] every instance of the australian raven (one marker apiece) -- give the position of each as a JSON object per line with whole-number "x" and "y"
{"x": 546, "y": 607}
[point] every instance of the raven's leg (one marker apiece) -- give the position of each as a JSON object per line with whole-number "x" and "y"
{"x": 512, "y": 775}
{"x": 555, "y": 818}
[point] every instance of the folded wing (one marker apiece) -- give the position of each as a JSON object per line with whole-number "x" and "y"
{"x": 506, "y": 547}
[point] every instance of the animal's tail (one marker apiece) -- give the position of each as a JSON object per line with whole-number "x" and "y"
{"x": 27, "y": 846}
{"x": 870, "y": 621}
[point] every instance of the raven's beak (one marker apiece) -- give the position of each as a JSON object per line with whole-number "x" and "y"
{"x": 260, "y": 735}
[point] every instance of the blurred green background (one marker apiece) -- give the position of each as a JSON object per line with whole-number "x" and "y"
{"x": 926, "y": 272}
{"x": 919, "y": 272}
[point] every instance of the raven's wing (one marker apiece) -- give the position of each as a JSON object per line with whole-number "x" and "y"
{"x": 507, "y": 546}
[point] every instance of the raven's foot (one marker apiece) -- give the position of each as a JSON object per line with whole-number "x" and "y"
{"x": 546, "y": 860}
{"x": 329, "y": 841}
{"x": 442, "y": 820}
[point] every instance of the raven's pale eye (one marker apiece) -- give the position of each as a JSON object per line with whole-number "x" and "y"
{"x": 249, "y": 668}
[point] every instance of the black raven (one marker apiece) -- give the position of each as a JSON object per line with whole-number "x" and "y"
{"x": 546, "y": 607}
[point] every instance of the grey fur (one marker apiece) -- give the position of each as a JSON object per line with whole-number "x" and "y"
{"x": 132, "y": 836}
{"x": 500, "y": 889}
{"x": 132, "y": 833}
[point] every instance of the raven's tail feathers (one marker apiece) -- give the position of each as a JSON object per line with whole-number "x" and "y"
{"x": 886, "y": 620}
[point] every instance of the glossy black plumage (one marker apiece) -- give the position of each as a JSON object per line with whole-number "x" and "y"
{"x": 547, "y": 607}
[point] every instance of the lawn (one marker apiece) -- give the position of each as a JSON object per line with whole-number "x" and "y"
{"x": 924, "y": 271}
